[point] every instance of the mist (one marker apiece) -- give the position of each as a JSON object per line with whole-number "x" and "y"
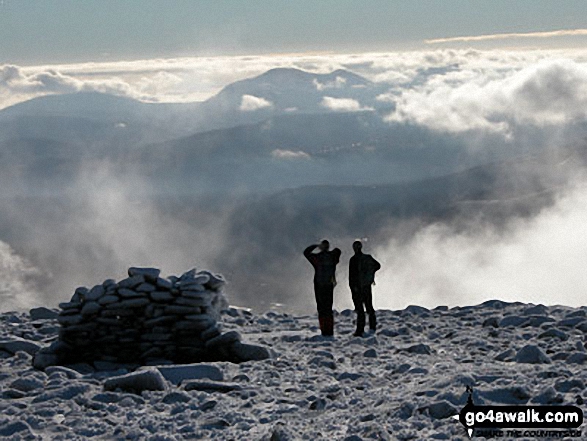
{"x": 536, "y": 260}
{"x": 465, "y": 180}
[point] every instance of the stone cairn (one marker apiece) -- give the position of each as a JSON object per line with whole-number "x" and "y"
{"x": 147, "y": 320}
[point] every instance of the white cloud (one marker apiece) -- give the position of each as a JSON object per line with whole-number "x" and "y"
{"x": 338, "y": 83}
{"x": 343, "y": 104}
{"x": 17, "y": 289}
{"x": 250, "y": 103}
{"x": 549, "y": 92}
{"x": 538, "y": 260}
{"x": 507, "y": 36}
{"x": 417, "y": 77}
{"x": 289, "y": 154}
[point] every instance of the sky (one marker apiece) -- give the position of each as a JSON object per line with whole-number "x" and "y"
{"x": 67, "y": 31}
{"x": 481, "y": 70}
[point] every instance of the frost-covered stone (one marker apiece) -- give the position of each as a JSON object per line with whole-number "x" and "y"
{"x": 179, "y": 373}
{"x": 96, "y": 292}
{"x": 531, "y": 354}
{"x": 145, "y": 320}
{"x": 212, "y": 386}
{"x": 554, "y": 333}
{"x": 43, "y": 313}
{"x": 90, "y": 308}
{"x": 246, "y": 352}
{"x": 441, "y": 409}
{"x": 577, "y": 358}
{"x": 15, "y": 344}
{"x": 507, "y": 395}
{"x": 512, "y": 320}
{"x": 136, "y": 382}
{"x": 14, "y": 428}
{"x": 419, "y": 348}
{"x": 148, "y": 273}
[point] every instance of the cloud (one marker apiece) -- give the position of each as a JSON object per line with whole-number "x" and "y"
{"x": 343, "y": 104}
{"x": 250, "y": 103}
{"x": 338, "y": 83}
{"x": 17, "y": 280}
{"x": 289, "y": 154}
{"x": 506, "y": 36}
{"x": 16, "y": 85}
{"x": 189, "y": 79}
{"x": 538, "y": 260}
{"x": 550, "y": 92}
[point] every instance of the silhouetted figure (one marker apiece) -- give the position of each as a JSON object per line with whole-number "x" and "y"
{"x": 324, "y": 263}
{"x": 362, "y": 269}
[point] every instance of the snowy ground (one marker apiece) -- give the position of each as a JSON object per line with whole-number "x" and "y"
{"x": 403, "y": 383}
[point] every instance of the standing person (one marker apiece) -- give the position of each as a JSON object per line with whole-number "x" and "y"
{"x": 324, "y": 263}
{"x": 362, "y": 269}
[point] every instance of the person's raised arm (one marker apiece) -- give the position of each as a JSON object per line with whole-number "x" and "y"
{"x": 308, "y": 252}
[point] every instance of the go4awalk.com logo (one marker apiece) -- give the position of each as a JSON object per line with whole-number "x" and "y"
{"x": 520, "y": 421}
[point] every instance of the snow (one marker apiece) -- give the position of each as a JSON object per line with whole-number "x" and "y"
{"x": 404, "y": 382}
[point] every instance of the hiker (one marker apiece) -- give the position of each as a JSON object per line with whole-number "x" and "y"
{"x": 362, "y": 269}
{"x": 324, "y": 263}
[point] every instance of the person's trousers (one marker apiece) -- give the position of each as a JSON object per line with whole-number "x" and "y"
{"x": 324, "y": 298}
{"x": 363, "y": 300}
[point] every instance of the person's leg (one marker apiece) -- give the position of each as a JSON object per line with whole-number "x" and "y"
{"x": 328, "y": 299}
{"x": 324, "y": 296}
{"x": 358, "y": 302}
{"x": 368, "y": 299}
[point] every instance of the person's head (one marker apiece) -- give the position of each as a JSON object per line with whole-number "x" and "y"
{"x": 357, "y": 246}
{"x": 324, "y": 245}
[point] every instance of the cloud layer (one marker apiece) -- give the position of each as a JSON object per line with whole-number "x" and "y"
{"x": 539, "y": 260}
{"x": 250, "y": 103}
{"x": 549, "y": 92}
{"x": 198, "y": 78}
{"x": 343, "y": 104}
{"x": 512, "y": 35}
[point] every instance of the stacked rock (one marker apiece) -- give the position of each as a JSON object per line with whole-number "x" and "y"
{"x": 145, "y": 319}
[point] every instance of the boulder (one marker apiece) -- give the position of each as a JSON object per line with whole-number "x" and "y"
{"x": 176, "y": 374}
{"x": 15, "y": 344}
{"x": 532, "y": 354}
{"x": 136, "y": 382}
{"x": 248, "y": 352}
{"x": 419, "y": 348}
{"x": 150, "y": 274}
{"x": 512, "y": 320}
{"x": 223, "y": 340}
{"x": 441, "y": 410}
{"x": 43, "y": 313}
{"x": 212, "y": 386}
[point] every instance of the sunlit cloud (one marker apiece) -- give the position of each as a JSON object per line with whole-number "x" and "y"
{"x": 289, "y": 154}
{"x": 343, "y": 104}
{"x": 250, "y": 103}
{"x": 511, "y": 35}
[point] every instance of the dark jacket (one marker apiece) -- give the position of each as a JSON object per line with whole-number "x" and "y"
{"x": 324, "y": 264}
{"x": 362, "y": 269}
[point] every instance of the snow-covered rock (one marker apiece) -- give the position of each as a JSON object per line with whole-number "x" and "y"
{"x": 15, "y": 344}
{"x": 43, "y": 313}
{"x": 531, "y": 354}
{"x": 310, "y": 388}
{"x": 145, "y": 320}
{"x": 137, "y": 382}
{"x": 178, "y": 373}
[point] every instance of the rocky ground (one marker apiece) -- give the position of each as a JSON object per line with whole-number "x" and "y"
{"x": 402, "y": 383}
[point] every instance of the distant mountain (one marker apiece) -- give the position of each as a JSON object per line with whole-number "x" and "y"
{"x": 58, "y": 117}
{"x": 293, "y": 90}
{"x": 266, "y": 234}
